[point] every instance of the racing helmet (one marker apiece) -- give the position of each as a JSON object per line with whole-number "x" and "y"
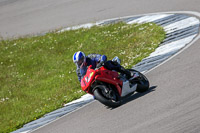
{"x": 79, "y": 58}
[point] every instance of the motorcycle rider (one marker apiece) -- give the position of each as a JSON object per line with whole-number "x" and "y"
{"x": 96, "y": 60}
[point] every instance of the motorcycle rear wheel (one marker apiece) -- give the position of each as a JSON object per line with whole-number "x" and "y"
{"x": 142, "y": 81}
{"x": 98, "y": 93}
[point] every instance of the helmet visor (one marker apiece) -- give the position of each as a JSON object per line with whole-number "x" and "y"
{"x": 80, "y": 62}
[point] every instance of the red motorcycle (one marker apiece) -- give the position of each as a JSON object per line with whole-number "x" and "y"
{"x": 109, "y": 87}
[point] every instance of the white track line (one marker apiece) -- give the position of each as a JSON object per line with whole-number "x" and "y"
{"x": 181, "y": 24}
{"x": 173, "y": 46}
{"x": 149, "y": 18}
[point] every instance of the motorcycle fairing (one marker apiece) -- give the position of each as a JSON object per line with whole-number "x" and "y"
{"x": 86, "y": 81}
{"x": 110, "y": 77}
{"x": 126, "y": 89}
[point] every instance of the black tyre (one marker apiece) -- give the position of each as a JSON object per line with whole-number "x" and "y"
{"x": 99, "y": 93}
{"x": 142, "y": 81}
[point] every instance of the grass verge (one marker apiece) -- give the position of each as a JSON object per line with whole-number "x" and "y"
{"x": 37, "y": 74}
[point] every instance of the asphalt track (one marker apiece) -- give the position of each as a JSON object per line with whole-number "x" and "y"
{"x": 22, "y": 17}
{"x": 173, "y": 103}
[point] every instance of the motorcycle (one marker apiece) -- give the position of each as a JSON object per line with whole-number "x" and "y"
{"x": 109, "y": 87}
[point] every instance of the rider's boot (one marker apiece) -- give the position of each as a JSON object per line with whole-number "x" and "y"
{"x": 124, "y": 71}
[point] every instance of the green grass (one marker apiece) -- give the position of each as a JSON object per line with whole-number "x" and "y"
{"x": 37, "y": 74}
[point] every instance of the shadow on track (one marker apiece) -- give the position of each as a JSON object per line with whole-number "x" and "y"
{"x": 134, "y": 96}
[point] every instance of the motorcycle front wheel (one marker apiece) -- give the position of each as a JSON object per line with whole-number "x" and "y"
{"x": 102, "y": 96}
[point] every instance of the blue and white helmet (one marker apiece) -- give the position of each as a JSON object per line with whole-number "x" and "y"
{"x": 79, "y": 58}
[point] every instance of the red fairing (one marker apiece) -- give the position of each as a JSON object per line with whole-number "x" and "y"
{"x": 103, "y": 75}
{"x": 110, "y": 77}
{"x": 88, "y": 79}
